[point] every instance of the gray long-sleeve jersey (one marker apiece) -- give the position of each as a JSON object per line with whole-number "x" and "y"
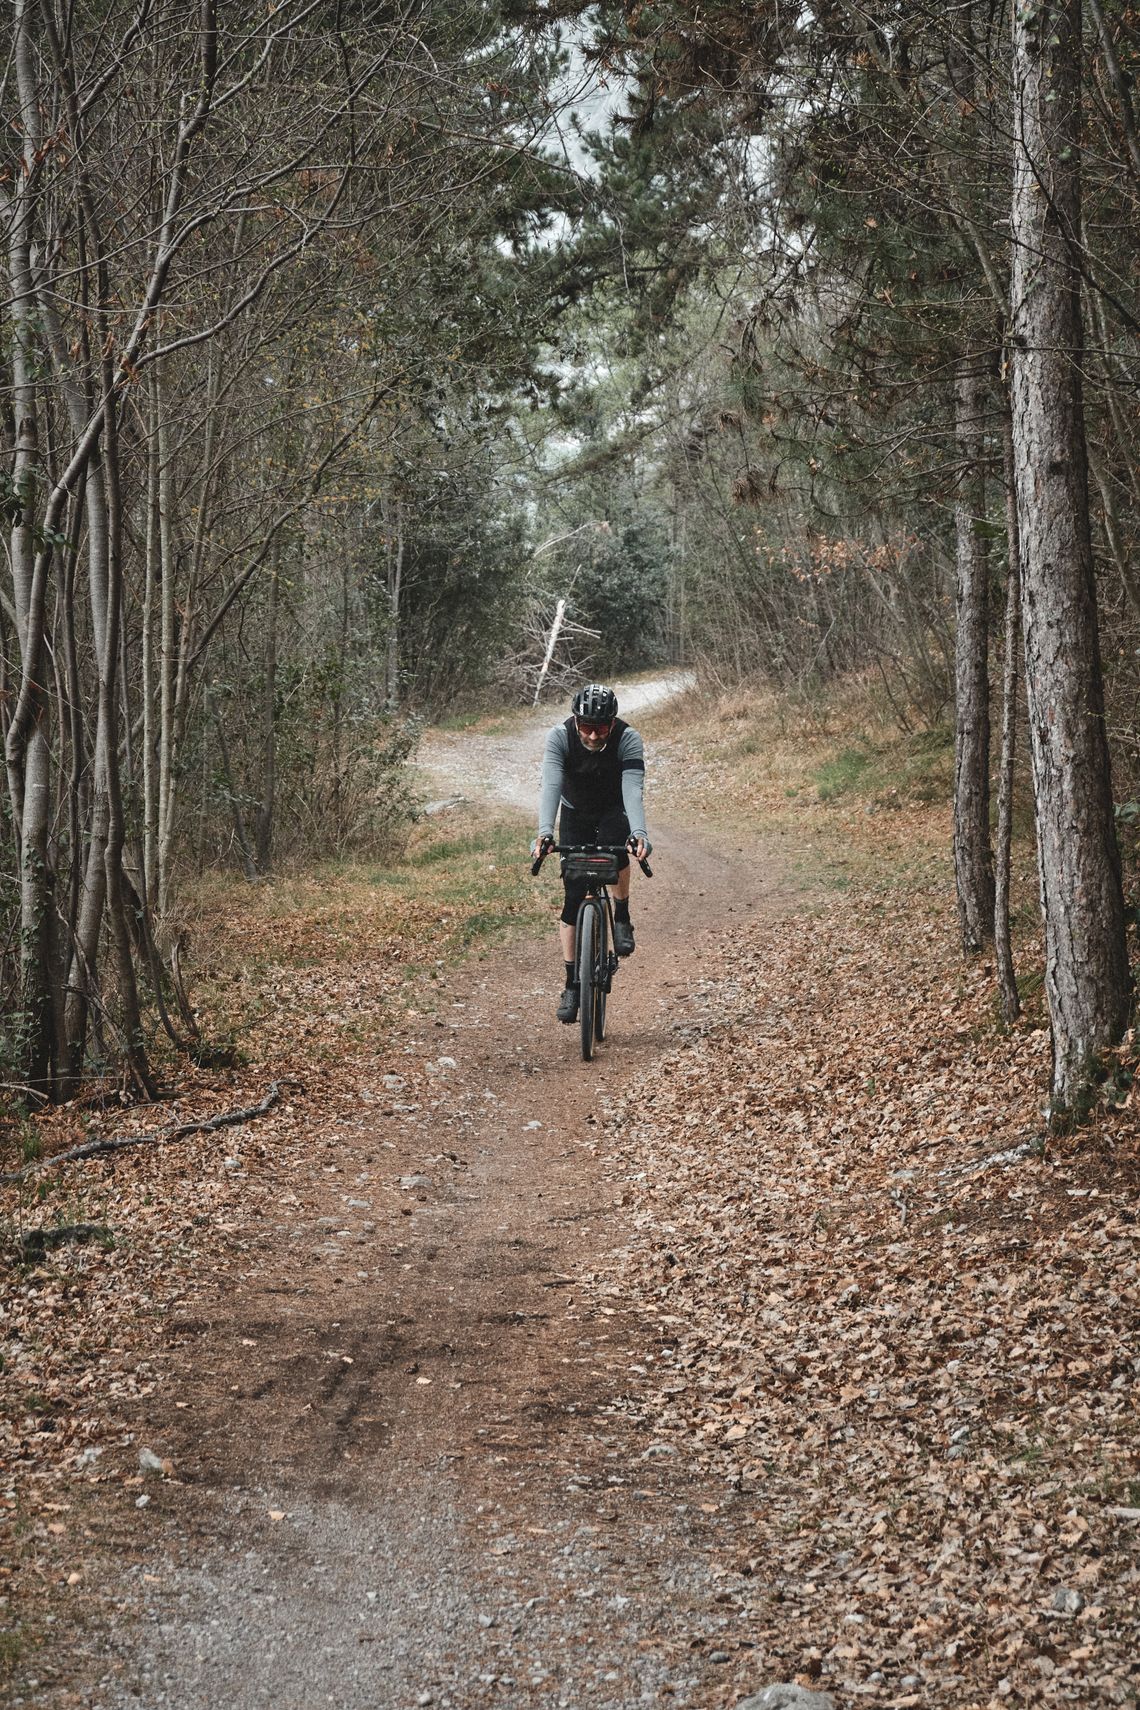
{"x": 631, "y": 758}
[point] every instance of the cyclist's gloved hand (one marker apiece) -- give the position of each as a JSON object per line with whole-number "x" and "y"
{"x": 540, "y": 846}
{"x": 641, "y": 846}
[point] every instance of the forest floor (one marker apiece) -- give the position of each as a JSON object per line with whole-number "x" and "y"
{"x": 771, "y": 1346}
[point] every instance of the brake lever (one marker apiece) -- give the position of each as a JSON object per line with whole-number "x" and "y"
{"x": 641, "y": 861}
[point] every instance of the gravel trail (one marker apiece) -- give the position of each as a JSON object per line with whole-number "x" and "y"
{"x": 504, "y": 768}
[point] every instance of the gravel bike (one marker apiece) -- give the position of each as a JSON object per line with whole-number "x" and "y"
{"x": 595, "y": 864}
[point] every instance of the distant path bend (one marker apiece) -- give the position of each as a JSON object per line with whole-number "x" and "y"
{"x": 503, "y": 767}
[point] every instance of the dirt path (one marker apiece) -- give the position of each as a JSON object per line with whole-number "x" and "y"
{"x": 405, "y": 1474}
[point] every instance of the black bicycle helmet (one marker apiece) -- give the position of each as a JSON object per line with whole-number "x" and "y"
{"x": 595, "y": 702}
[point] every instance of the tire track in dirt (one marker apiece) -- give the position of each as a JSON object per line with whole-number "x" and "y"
{"x": 406, "y": 1473}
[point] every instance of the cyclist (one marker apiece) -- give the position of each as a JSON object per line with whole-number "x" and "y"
{"x": 593, "y": 773}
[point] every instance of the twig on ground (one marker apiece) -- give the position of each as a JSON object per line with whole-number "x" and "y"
{"x": 116, "y": 1143}
{"x": 1033, "y": 1148}
{"x": 25, "y": 1092}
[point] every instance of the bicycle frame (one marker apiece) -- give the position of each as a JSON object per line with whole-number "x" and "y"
{"x": 594, "y": 957}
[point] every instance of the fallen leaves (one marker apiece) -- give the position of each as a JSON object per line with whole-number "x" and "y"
{"x": 908, "y": 1336}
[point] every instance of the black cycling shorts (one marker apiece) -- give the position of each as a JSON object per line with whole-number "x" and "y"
{"x": 577, "y": 827}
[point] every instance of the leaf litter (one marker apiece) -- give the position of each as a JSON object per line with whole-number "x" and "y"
{"x": 898, "y": 1323}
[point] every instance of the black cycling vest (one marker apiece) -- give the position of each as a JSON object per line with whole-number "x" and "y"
{"x": 591, "y": 783}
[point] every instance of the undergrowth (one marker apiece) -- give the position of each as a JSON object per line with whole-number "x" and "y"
{"x": 847, "y": 796}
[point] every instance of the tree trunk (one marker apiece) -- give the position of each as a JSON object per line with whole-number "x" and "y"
{"x": 973, "y": 859}
{"x": 1086, "y": 965}
{"x": 150, "y": 584}
{"x": 27, "y": 749}
{"x": 93, "y": 893}
{"x": 241, "y": 838}
{"x": 166, "y": 659}
{"x": 395, "y": 577}
{"x": 263, "y": 825}
{"x": 117, "y": 902}
{"x": 1003, "y": 950}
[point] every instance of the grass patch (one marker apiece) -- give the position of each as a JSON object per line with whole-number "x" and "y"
{"x": 838, "y": 777}
{"x": 266, "y": 944}
{"x": 496, "y": 723}
{"x": 13, "y": 1646}
{"x": 918, "y": 767}
{"x": 446, "y": 849}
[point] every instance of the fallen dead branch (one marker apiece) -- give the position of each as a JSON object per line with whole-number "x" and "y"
{"x": 1032, "y": 1148}
{"x": 118, "y": 1142}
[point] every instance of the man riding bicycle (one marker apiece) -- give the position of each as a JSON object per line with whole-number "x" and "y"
{"x": 593, "y": 770}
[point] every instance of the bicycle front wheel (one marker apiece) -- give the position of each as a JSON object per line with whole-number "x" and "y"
{"x": 601, "y": 975}
{"x": 587, "y": 977}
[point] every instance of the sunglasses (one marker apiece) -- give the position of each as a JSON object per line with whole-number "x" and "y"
{"x": 588, "y": 728}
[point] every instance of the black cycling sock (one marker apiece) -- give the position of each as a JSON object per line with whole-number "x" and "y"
{"x": 621, "y": 909}
{"x": 570, "y": 980}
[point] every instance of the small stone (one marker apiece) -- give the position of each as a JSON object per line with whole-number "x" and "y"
{"x": 150, "y": 1462}
{"x": 1067, "y": 1602}
{"x": 141, "y": 1501}
{"x": 719, "y": 1657}
{"x": 788, "y": 1697}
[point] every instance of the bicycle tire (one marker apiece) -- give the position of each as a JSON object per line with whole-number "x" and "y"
{"x": 587, "y": 977}
{"x": 602, "y": 979}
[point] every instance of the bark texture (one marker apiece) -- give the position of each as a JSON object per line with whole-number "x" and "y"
{"x": 1003, "y": 947}
{"x": 973, "y": 856}
{"x": 1086, "y": 962}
